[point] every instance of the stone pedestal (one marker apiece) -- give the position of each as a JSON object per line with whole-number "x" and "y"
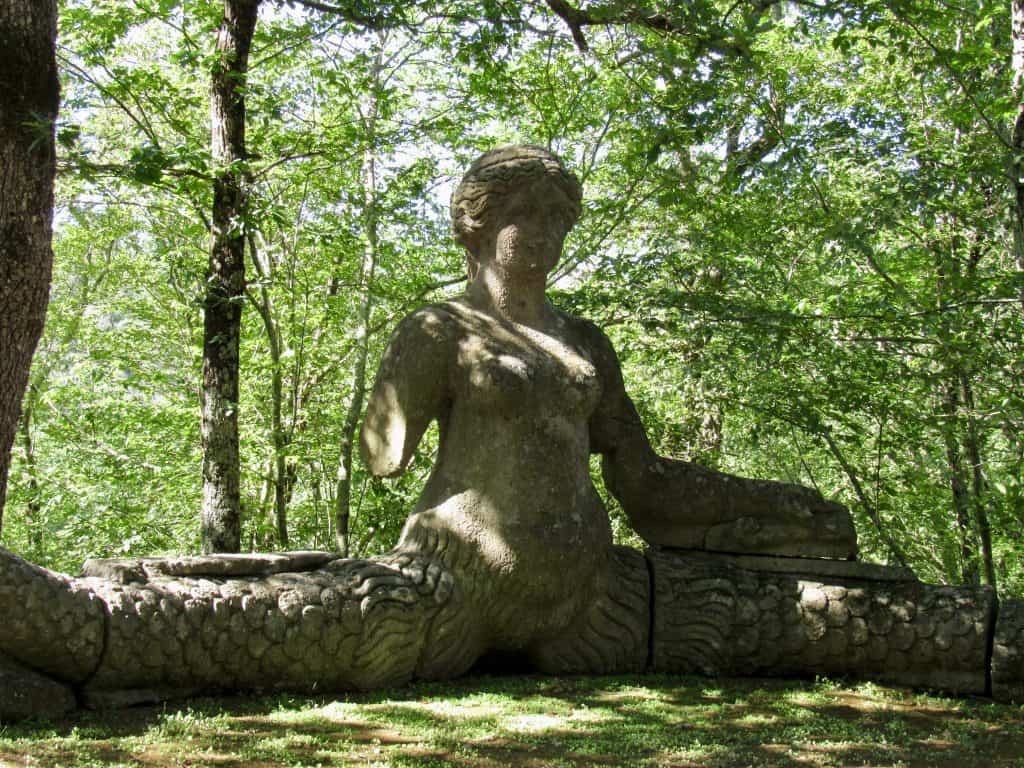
{"x": 1008, "y": 652}
{"x": 722, "y": 615}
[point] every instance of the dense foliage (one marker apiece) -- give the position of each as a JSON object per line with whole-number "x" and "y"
{"x": 798, "y": 231}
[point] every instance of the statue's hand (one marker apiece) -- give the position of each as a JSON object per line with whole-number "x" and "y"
{"x": 688, "y": 506}
{"x": 784, "y": 519}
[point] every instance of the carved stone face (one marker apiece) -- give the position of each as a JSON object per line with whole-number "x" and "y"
{"x": 528, "y": 230}
{"x": 482, "y": 199}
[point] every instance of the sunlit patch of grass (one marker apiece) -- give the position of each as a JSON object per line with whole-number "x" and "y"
{"x": 535, "y": 722}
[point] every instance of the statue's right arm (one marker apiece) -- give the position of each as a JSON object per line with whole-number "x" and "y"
{"x": 677, "y": 503}
{"x": 411, "y": 389}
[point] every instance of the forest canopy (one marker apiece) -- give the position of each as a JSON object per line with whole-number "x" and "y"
{"x": 802, "y": 230}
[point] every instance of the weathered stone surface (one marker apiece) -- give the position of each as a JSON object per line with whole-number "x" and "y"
{"x": 613, "y": 637}
{"x": 815, "y": 568}
{"x": 877, "y": 629}
{"x": 252, "y": 632}
{"x": 127, "y": 570}
{"x": 27, "y": 694}
{"x": 48, "y": 624}
{"x": 806, "y": 531}
{"x": 1008, "y": 652}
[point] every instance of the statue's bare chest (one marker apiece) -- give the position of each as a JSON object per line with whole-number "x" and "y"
{"x": 525, "y": 370}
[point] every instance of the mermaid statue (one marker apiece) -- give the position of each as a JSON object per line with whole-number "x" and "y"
{"x": 509, "y": 548}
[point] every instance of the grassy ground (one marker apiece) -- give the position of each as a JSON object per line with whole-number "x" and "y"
{"x": 533, "y": 721}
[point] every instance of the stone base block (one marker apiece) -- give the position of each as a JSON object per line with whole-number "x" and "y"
{"x": 27, "y": 694}
{"x": 714, "y": 617}
{"x": 1008, "y": 652}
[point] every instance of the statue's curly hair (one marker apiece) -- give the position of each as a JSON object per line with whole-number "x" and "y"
{"x": 496, "y": 173}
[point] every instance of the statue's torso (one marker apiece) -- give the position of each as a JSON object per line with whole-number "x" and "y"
{"x": 510, "y": 496}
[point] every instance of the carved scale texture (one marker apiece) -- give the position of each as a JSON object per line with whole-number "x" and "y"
{"x": 364, "y": 624}
{"x": 611, "y": 636}
{"x": 352, "y": 624}
{"x": 48, "y": 624}
{"x": 718, "y": 619}
{"x": 1008, "y": 652}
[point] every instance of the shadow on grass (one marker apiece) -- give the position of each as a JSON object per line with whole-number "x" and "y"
{"x": 535, "y": 721}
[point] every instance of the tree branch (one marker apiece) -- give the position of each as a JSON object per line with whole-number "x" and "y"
{"x": 576, "y": 19}
{"x": 573, "y": 19}
{"x": 370, "y": 22}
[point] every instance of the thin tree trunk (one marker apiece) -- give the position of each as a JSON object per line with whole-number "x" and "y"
{"x": 1017, "y": 138}
{"x": 264, "y": 542}
{"x": 29, "y": 98}
{"x": 948, "y": 274}
{"x": 972, "y": 445}
{"x": 279, "y": 438}
{"x": 37, "y": 385}
{"x": 319, "y": 507}
{"x": 895, "y": 551}
{"x": 343, "y": 497}
{"x": 958, "y": 485}
{"x": 33, "y": 507}
{"x": 973, "y": 442}
{"x": 282, "y": 482}
{"x": 222, "y": 316}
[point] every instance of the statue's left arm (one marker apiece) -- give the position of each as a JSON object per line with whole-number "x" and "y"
{"x": 410, "y": 391}
{"x": 677, "y": 503}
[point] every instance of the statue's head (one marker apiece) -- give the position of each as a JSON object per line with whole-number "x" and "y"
{"x": 479, "y": 199}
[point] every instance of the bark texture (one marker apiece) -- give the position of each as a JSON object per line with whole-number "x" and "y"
{"x": 1017, "y": 137}
{"x": 29, "y": 97}
{"x": 225, "y": 292}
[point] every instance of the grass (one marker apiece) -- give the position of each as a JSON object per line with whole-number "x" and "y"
{"x": 490, "y": 722}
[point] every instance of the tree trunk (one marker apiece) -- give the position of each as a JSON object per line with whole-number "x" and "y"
{"x": 280, "y": 439}
{"x": 343, "y": 497}
{"x": 33, "y": 511}
{"x": 957, "y": 484}
{"x": 315, "y": 472}
{"x": 895, "y": 551}
{"x": 263, "y": 542}
{"x": 222, "y": 307}
{"x": 29, "y": 98}
{"x": 948, "y": 275}
{"x": 972, "y": 446}
{"x": 1017, "y": 139}
{"x": 37, "y": 384}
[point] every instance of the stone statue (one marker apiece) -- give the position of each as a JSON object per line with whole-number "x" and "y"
{"x": 509, "y": 548}
{"x": 524, "y": 393}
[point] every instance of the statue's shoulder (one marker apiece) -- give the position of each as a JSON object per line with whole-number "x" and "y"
{"x": 431, "y": 323}
{"x": 588, "y": 334}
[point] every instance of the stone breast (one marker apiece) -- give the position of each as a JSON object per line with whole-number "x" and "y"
{"x": 529, "y": 376}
